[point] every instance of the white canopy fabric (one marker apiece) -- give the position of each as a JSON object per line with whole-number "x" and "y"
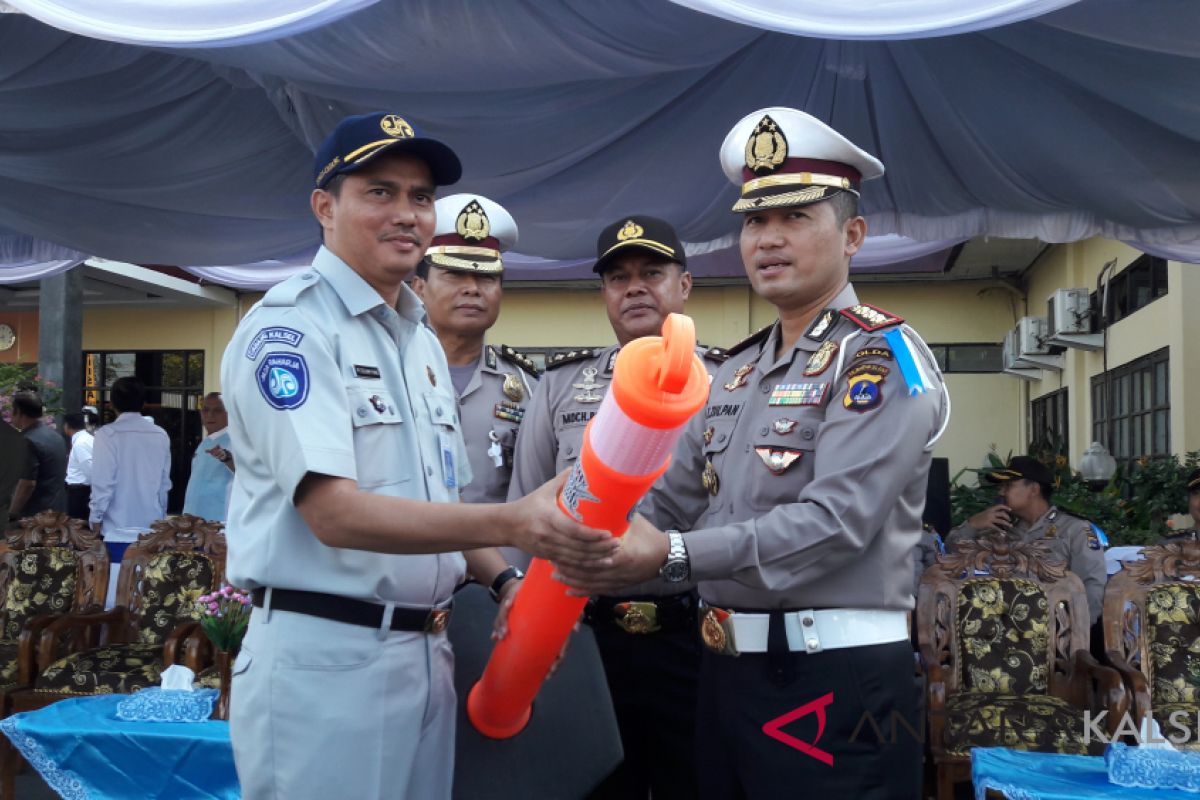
{"x": 187, "y": 23}
{"x": 875, "y": 19}
{"x": 1081, "y": 122}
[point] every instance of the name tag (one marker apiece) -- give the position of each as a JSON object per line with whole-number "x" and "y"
{"x": 446, "y": 445}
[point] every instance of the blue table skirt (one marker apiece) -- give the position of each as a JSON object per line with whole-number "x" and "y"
{"x": 1050, "y": 776}
{"x": 84, "y": 752}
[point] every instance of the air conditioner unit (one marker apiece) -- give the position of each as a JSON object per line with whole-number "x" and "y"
{"x": 1070, "y": 320}
{"x": 1013, "y": 365}
{"x": 1033, "y": 346}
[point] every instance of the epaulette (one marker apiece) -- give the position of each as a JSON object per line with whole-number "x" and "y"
{"x": 571, "y": 356}
{"x": 717, "y": 354}
{"x": 751, "y": 340}
{"x": 283, "y": 295}
{"x": 870, "y": 318}
{"x": 519, "y": 359}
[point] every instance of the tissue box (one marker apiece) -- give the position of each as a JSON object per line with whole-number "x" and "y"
{"x": 155, "y": 704}
{"x": 1152, "y": 769}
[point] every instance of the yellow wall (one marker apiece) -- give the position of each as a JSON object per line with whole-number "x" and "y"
{"x": 163, "y": 329}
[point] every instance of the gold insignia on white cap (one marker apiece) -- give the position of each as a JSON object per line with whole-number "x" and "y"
{"x": 395, "y": 126}
{"x": 767, "y": 147}
{"x": 469, "y": 228}
{"x": 630, "y": 230}
{"x": 472, "y": 222}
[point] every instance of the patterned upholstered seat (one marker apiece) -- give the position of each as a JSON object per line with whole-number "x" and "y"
{"x": 1003, "y": 633}
{"x": 1152, "y": 635}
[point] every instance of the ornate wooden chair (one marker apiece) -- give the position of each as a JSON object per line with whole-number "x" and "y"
{"x": 126, "y": 648}
{"x": 1003, "y": 632}
{"x": 1152, "y": 635}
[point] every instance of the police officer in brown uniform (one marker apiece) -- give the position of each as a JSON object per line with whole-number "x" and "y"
{"x": 801, "y": 485}
{"x": 1026, "y": 487}
{"x": 646, "y": 640}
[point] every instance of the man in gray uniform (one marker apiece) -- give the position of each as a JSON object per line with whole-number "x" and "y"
{"x": 646, "y": 641}
{"x": 1026, "y": 486}
{"x": 802, "y": 485}
{"x": 343, "y": 521}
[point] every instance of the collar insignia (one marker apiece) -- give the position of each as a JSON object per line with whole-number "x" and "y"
{"x": 739, "y": 377}
{"x": 821, "y": 325}
{"x": 766, "y": 148}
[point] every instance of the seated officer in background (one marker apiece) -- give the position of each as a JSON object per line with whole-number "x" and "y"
{"x": 801, "y": 486}
{"x": 646, "y": 641}
{"x": 1193, "y": 498}
{"x": 343, "y": 520}
{"x": 1026, "y": 486}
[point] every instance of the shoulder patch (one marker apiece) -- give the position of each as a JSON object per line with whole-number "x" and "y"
{"x": 282, "y": 295}
{"x": 283, "y": 380}
{"x": 273, "y": 335}
{"x": 717, "y": 354}
{"x": 757, "y": 337}
{"x": 870, "y": 318}
{"x": 570, "y": 357}
{"x": 519, "y": 359}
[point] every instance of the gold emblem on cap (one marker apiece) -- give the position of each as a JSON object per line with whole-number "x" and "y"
{"x": 396, "y": 127}
{"x": 630, "y": 230}
{"x": 512, "y": 388}
{"x": 766, "y": 148}
{"x": 472, "y": 223}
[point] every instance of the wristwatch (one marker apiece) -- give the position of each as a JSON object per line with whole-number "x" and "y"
{"x": 504, "y": 577}
{"x": 677, "y": 567}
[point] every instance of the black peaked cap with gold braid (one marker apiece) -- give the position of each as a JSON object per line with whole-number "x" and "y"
{"x": 638, "y": 232}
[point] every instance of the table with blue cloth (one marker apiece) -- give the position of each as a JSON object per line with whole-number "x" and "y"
{"x": 1021, "y": 775}
{"x": 83, "y": 751}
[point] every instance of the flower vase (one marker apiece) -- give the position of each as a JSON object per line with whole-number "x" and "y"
{"x": 224, "y": 665}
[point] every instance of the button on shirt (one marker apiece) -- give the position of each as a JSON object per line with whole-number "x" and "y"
{"x": 79, "y": 461}
{"x": 131, "y": 475}
{"x": 208, "y": 485}
{"x": 798, "y": 494}
{"x": 322, "y": 376}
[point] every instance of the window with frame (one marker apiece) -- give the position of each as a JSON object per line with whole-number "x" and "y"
{"x": 968, "y": 358}
{"x": 1131, "y": 408}
{"x": 1049, "y": 424}
{"x": 1135, "y": 287}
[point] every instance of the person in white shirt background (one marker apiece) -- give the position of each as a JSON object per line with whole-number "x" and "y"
{"x": 79, "y": 465}
{"x": 131, "y": 475}
{"x": 212, "y": 466}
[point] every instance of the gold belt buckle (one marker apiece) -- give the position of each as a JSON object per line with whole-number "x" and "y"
{"x": 437, "y": 620}
{"x": 716, "y": 631}
{"x": 636, "y": 617}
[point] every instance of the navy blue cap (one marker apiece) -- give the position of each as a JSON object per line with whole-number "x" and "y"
{"x": 357, "y": 140}
{"x": 639, "y": 232}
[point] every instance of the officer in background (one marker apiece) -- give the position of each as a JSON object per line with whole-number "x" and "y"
{"x": 1193, "y": 498}
{"x": 802, "y": 485}
{"x": 212, "y": 464}
{"x": 460, "y": 282}
{"x": 646, "y": 641}
{"x": 343, "y": 521}
{"x": 1026, "y": 486}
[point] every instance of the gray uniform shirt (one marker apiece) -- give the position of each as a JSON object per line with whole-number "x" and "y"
{"x": 492, "y": 407}
{"x": 1069, "y": 538}
{"x": 322, "y": 376}
{"x": 566, "y": 399}
{"x": 797, "y": 492}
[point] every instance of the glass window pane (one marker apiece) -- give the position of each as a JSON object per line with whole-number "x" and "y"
{"x": 1160, "y": 277}
{"x": 1147, "y": 387}
{"x": 172, "y": 370}
{"x": 1162, "y": 432}
{"x": 974, "y": 358}
{"x": 118, "y": 365}
{"x": 1162, "y": 392}
{"x": 939, "y": 355}
{"x": 195, "y": 369}
{"x": 1140, "y": 287}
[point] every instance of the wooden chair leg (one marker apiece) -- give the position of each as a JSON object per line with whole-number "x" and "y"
{"x": 945, "y": 782}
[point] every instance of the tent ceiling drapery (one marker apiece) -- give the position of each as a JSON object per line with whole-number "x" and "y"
{"x": 1080, "y": 122}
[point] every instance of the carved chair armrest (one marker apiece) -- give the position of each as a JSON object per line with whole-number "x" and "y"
{"x": 27, "y": 642}
{"x": 1135, "y": 684}
{"x": 935, "y": 700}
{"x": 174, "y": 649}
{"x": 82, "y": 627}
{"x": 1109, "y": 690}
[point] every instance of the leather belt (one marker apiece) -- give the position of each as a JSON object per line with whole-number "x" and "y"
{"x": 355, "y": 612}
{"x": 808, "y": 630}
{"x": 645, "y": 614}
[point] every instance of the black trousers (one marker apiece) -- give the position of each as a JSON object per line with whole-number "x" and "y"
{"x": 652, "y": 679}
{"x": 869, "y": 747}
{"x": 79, "y": 495}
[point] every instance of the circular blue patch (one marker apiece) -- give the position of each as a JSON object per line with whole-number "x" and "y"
{"x": 283, "y": 380}
{"x": 862, "y": 395}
